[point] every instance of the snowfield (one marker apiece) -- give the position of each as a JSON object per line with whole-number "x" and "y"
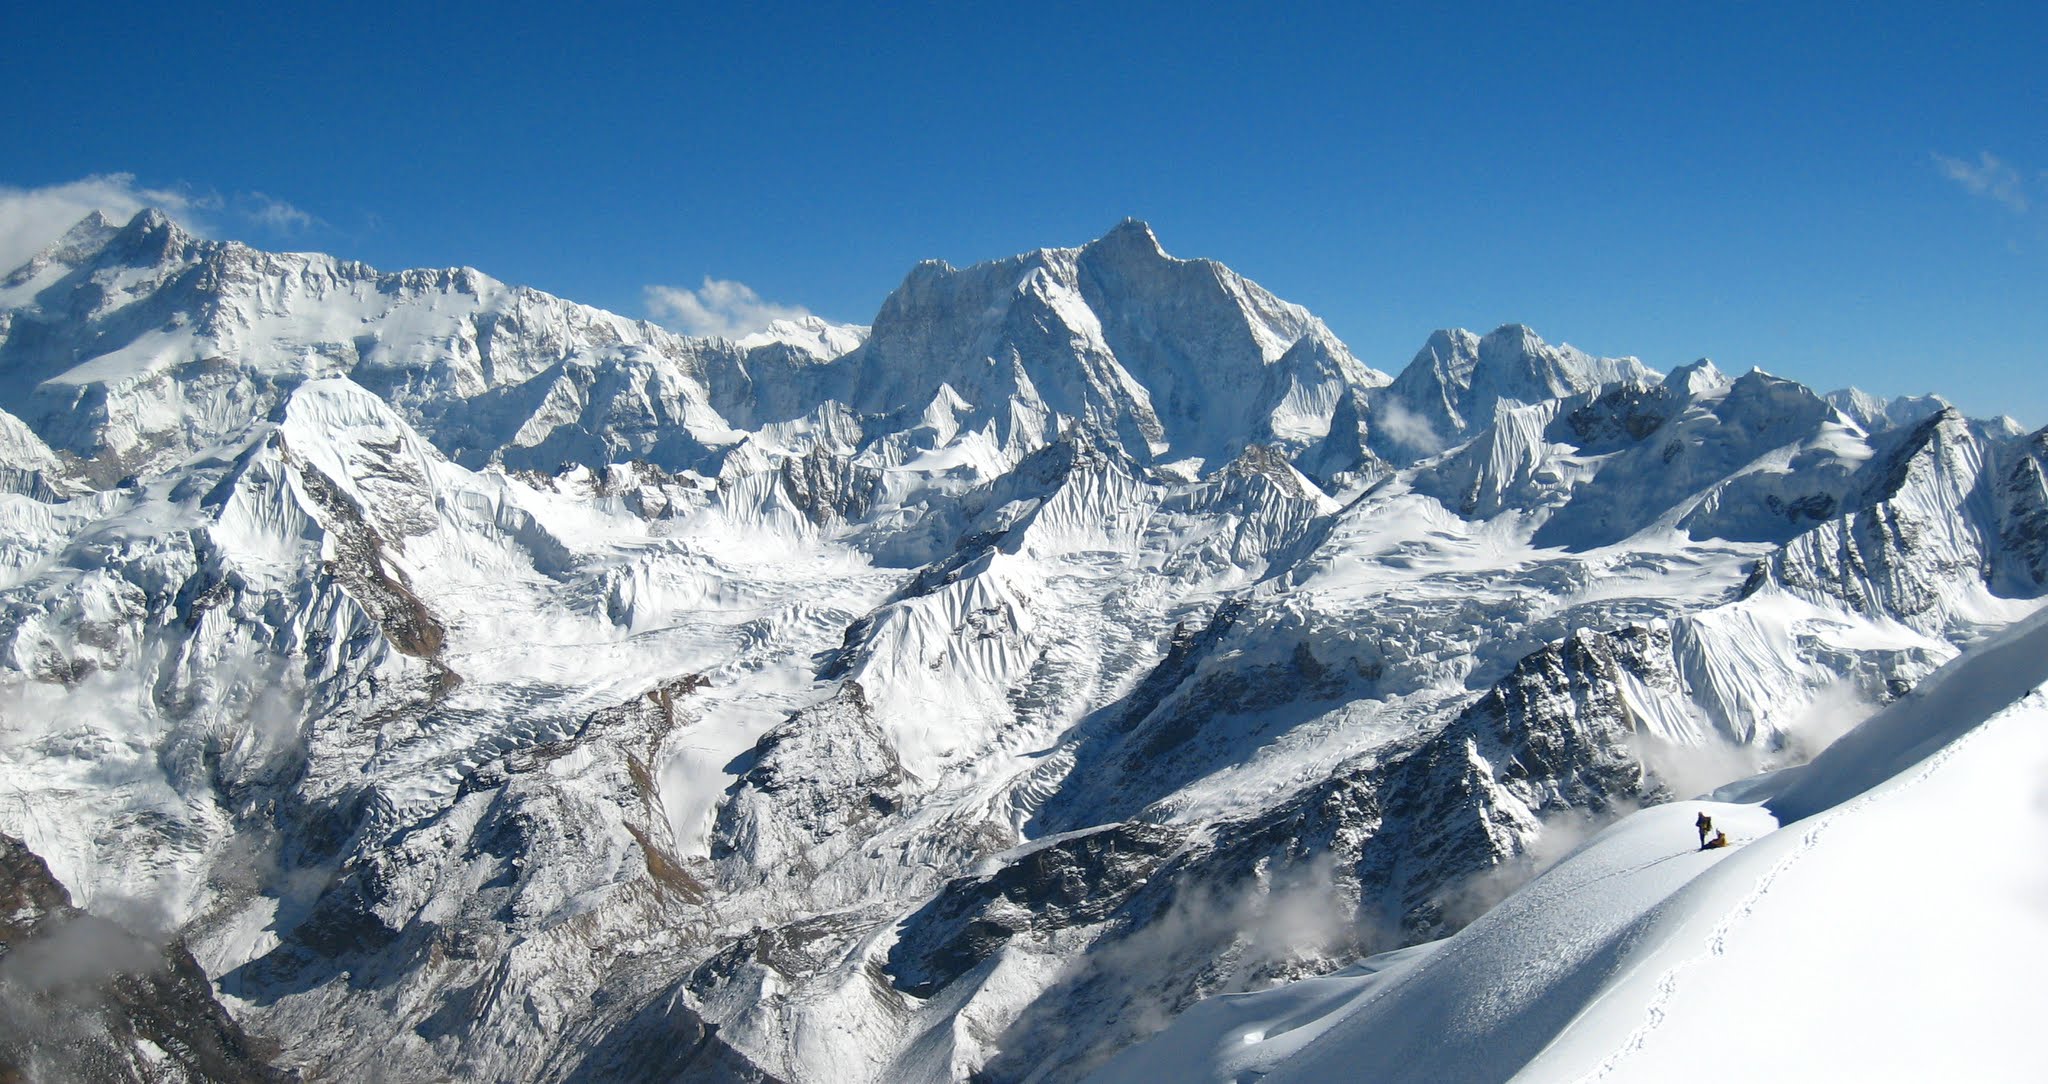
{"x": 1881, "y": 914}
{"x": 479, "y": 685}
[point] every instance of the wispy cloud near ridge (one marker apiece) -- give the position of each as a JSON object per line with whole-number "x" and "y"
{"x": 275, "y": 214}
{"x": 721, "y": 307}
{"x": 31, "y": 218}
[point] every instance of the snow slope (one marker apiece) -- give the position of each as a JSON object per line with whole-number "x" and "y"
{"x": 1881, "y": 915}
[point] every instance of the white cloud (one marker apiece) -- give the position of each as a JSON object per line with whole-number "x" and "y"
{"x": 275, "y": 214}
{"x": 1407, "y": 428}
{"x": 1989, "y": 176}
{"x": 720, "y": 307}
{"x": 31, "y": 218}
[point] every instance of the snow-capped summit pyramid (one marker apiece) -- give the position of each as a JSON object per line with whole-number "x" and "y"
{"x": 1696, "y": 378}
{"x": 1175, "y": 359}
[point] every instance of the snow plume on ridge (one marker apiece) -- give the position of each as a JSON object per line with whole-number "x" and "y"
{"x": 1407, "y": 428}
{"x": 721, "y": 307}
{"x": 1273, "y": 923}
{"x": 275, "y": 214}
{"x": 1689, "y": 770}
{"x": 1562, "y": 833}
{"x": 31, "y": 218}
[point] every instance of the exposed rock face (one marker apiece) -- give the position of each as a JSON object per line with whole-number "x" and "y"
{"x": 1923, "y": 535}
{"x": 1384, "y": 853}
{"x": 1075, "y": 881}
{"x": 808, "y": 790}
{"x": 2023, "y": 518}
{"x": 1557, "y": 735}
{"x": 82, "y": 998}
{"x": 665, "y": 1043}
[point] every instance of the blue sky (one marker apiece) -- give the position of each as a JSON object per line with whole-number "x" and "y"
{"x": 1852, "y": 194}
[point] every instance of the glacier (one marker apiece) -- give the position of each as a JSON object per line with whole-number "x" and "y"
{"x": 483, "y": 685}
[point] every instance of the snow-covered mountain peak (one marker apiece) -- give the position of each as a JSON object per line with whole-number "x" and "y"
{"x": 155, "y": 220}
{"x": 111, "y": 253}
{"x": 1877, "y": 413}
{"x": 150, "y": 237}
{"x": 1172, "y": 359}
{"x": 1452, "y": 387}
{"x": 1697, "y": 378}
{"x": 814, "y": 335}
{"x": 1130, "y": 239}
{"x": 1512, "y": 340}
{"x": 1518, "y": 360}
{"x": 96, "y": 223}
{"x": 1450, "y": 352}
{"x": 77, "y": 244}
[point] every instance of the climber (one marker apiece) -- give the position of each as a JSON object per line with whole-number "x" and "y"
{"x": 1705, "y": 824}
{"x": 1720, "y": 840}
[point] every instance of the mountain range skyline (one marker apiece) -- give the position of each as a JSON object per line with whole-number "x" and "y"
{"x": 747, "y": 322}
{"x": 1841, "y": 200}
{"x": 462, "y": 681}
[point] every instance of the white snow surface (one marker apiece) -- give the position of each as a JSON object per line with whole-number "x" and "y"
{"x": 1881, "y": 914}
{"x": 813, "y": 335}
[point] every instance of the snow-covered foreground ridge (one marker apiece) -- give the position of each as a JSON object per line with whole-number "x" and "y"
{"x": 1881, "y": 914}
{"x": 485, "y": 686}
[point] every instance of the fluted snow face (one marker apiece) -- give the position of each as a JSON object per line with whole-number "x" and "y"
{"x": 1455, "y": 383}
{"x": 491, "y": 686}
{"x": 1175, "y": 359}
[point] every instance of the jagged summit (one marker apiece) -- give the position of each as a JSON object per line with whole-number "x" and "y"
{"x": 93, "y": 221}
{"x": 152, "y": 219}
{"x": 1174, "y": 359}
{"x": 1876, "y": 413}
{"x": 85, "y": 236}
{"x": 89, "y": 235}
{"x": 1133, "y": 238}
{"x": 1455, "y": 383}
{"x": 149, "y": 237}
{"x": 1697, "y": 378}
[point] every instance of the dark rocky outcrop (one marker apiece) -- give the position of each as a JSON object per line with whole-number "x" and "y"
{"x": 83, "y": 998}
{"x": 1075, "y": 881}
